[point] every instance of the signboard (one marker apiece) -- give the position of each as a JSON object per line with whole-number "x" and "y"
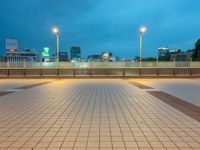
{"x": 11, "y": 50}
{"x": 106, "y": 55}
{"x": 12, "y": 44}
{"x": 45, "y": 52}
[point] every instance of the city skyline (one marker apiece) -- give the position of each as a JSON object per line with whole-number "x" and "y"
{"x": 101, "y": 26}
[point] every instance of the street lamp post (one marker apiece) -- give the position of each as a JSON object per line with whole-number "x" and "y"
{"x": 142, "y": 30}
{"x": 157, "y": 56}
{"x": 56, "y": 31}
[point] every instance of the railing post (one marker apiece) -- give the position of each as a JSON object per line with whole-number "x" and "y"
{"x": 8, "y": 68}
{"x": 124, "y": 74}
{"x": 8, "y": 64}
{"x": 74, "y": 72}
{"x": 57, "y": 65}
{"x": 140, "y": 71}
{"x": 41, "y": 73}
{"x": 191, "y": 71}
{"x": 41, "y": 65}
{"x": 24, "y": 72}
{"x": 24, "y": 65}
{"x": 90, "y": 71}
{"x": 157, "y": 72}
{"x": 108, "y": 72}
{"x": 174, "y": 72}
{"x": 8, "y": 73}
{"x": 58, "y": 72}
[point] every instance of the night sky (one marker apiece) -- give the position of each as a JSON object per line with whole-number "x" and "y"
{"x": 101, "y": 25}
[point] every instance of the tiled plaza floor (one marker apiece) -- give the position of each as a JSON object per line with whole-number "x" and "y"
{"x": 8, "y": 84}
{"x": 186, "y": 89}
{"x": 91, "y": 114}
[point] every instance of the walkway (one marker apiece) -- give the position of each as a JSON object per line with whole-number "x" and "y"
{"x": 92, "y": 114}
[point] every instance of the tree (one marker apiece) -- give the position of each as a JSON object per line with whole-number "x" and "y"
{"x": 164, "y": 58}
{"x": 149, "y": 59}
{"x": 196, "y": 53}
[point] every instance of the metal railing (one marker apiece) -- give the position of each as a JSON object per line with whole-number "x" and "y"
{"x": 119, "y": 69}
{"x": 73, "y": 65}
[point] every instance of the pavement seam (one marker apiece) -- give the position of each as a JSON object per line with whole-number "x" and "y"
{"x": 4, "y": 93}
{"x": 19, "y": 89}
{"x": 32, "y": 86}
{"x": 185, "y": 107}
{"x": 139, "y": 85}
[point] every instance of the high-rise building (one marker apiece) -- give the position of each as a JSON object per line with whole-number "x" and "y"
{"x": 75, "y": 53}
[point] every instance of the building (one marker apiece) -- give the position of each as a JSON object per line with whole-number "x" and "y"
{"x": 63, "y": 56}
{"x": 94, "y": 58}
{"x": 2, "y": 59}
{"x": 181, "y": 56}
{"x": 14, "y": 54}
{"x": 163, "y": 51}
{"x": 164, "y": 54}
{"x": 22, "y": 56}
{"x": 75, "y": 53}
{"x": 107, "y": 56}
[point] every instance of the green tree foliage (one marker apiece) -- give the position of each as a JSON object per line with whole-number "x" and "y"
{"x": 164, "y": 58}
{"x": 196, "y": 54}
{"x": 149, "y": 59}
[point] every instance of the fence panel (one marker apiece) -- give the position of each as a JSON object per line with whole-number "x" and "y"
{"x": 132, "y": 72}
{"x": 66, "y": 72}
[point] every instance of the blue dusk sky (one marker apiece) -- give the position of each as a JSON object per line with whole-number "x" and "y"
{"x": 101, "y": 25}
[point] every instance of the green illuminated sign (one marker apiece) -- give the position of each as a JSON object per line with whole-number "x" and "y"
{"x": 46, "y": 52}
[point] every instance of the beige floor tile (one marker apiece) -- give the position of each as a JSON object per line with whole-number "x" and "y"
{"x": 92, "y": 114}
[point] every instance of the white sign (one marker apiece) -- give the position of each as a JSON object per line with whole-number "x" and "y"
{"x": 12, "y": 44}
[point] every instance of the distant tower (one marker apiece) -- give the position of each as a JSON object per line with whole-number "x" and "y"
{"x": 75, "y": 53}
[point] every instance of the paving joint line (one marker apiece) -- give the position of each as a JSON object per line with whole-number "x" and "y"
{"x": 185, "y": 107}
{"x": 32, "y": 86}
{"x": 139, "y": 85}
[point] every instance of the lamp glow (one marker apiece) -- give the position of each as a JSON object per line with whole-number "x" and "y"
{"x": 55, "y": 30}
{"x": 143, "y": 29}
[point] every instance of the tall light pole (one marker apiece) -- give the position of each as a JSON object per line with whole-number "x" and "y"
{"x": 142, "y": 30}
{"x": 56, "y": 31}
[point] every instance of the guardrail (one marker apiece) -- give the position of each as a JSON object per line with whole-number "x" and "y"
{"x": 52, "y": 65}
{"x": 122, "y": 69}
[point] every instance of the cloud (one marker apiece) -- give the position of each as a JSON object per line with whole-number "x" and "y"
{"x": 101, "y": 24}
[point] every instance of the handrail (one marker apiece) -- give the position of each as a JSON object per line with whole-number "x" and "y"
{"x": 80, "y": 65}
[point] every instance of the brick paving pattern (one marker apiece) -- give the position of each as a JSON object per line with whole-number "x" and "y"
{"x": 91, "y": 114}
